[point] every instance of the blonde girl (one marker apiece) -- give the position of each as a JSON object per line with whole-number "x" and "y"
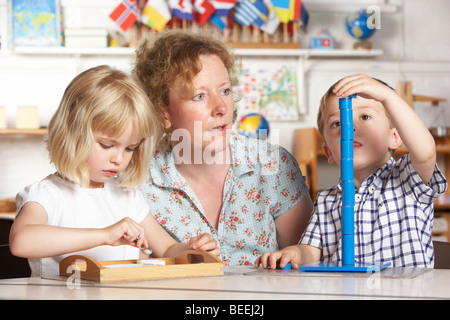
{"x": 100, "y": 140}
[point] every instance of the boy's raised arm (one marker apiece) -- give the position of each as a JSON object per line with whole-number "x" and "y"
{"x": 413, "y": 132}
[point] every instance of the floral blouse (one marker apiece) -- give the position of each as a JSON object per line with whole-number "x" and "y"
{"x": 263, "y": 182}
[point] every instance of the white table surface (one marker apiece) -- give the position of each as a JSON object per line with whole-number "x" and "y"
{"x": 246, "y": 283}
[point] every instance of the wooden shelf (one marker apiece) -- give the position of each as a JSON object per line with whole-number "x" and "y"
{"x": 269, "y": 52}
{"x": 75, "y": 51}
{"x": 36, "y": 132}
{"x": 347, "y": 6}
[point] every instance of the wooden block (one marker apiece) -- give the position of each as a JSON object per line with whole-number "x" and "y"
{"x": 2, "y": 117}
{"x": 27, "y": 118}
{"x": 8, "y": 205}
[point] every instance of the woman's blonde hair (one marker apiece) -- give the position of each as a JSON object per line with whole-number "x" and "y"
{"x": 101, "y": 99}
{"x": 172, "y": 55}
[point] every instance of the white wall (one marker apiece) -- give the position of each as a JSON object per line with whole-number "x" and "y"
{"x": 416, "y": 50}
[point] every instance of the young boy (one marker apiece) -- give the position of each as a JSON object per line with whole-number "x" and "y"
{"x": 393, "y": 200}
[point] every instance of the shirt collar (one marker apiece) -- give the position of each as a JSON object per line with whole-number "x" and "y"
{"x": 162, "y": 169}
{"x": 375, "y": 178}
{"x": 243, "y": 156}
{"x": 243, "y": 153}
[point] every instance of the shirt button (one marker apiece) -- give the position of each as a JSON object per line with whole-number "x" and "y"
{"x": 371, "y": 189}
{"x": 358, "y": 197}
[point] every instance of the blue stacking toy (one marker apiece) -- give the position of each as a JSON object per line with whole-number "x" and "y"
{"x": 348, "y": 263}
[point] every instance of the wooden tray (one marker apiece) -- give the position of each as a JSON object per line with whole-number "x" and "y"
{"x": 191, "y": 263}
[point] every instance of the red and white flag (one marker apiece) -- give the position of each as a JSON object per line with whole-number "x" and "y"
{"x": 125, "y": 14}
{"x": 203, "y": 10}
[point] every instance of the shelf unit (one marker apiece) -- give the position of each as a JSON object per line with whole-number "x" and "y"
{"x": 35, "y": 132}
{"x": 301, "y": 56}
{"x": 348, "y": 6}
{"x": 119, "y": 51}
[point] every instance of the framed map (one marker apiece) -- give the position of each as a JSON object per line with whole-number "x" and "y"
{"x": 35, "y": 23}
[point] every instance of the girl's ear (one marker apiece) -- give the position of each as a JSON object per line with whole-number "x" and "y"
{"x": 328, "y": 154}
{"x": 396, "y": 141}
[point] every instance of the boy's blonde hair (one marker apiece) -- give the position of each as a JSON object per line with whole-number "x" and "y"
{"x": 323, "y": 102}
{"x": 174, "y": 54}
{"x": 101, "y": 99}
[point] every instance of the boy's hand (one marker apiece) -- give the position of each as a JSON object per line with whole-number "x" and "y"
{"x": 205, "y": 242}
{"x": 364, "y": 86}
{"x": 290, "y": 254}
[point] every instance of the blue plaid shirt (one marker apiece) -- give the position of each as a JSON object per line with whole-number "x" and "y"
{"x": 393, "y": 217}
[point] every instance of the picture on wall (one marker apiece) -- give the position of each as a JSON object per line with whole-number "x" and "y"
{"x": 35, "y": 23}
{"x": 268, "y": 89}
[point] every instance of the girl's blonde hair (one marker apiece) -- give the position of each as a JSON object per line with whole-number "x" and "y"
{"x": 101, "y": 99}
{"x": 175, "y": 54}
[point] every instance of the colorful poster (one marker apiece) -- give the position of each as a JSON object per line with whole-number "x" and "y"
{"x": 270, "y": 90}
{"x": 35, "y": 23}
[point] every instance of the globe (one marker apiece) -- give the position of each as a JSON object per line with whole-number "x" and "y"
{"x": 357, "y": 25}
{"x": 253, "y": 125}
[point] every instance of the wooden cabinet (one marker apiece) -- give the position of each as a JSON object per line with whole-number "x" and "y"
{"x": 307, "y": 149}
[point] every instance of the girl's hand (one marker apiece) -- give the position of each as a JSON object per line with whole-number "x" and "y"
{"x": 205, "y": 242}
{"x": 126, "y": 232}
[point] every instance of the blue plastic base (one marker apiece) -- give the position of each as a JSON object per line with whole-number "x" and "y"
{"x": 339, "y": 267}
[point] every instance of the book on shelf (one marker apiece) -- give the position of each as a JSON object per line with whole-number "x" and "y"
{"x": 86, "y": 37}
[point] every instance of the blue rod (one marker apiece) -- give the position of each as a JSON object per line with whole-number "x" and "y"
{"x": 348, "y": 182}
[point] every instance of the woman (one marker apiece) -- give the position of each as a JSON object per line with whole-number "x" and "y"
{"x": 250, "y": 195}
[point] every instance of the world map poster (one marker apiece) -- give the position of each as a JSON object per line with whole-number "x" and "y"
{"x": 269, "y": 89}
{"x": 35, "y": 23}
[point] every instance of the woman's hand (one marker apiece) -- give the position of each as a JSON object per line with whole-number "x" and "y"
{"x": 205, "y": 242}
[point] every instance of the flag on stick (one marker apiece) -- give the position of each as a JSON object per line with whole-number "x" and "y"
{"x": 203, "y": 10}
{"x": 282, "y": 9}
{"x": 304, "y": 17}
{"x": 182, "y": 9}
{"x": 125, "y": 14}
{"x": 251, "y": 11}
{"x": 220, "y": 15}
{"x": 222, "y": 7}
{"x": 156, "y": 14}
{"x": 272, "y": 22}
{"x": 295, "y": 8}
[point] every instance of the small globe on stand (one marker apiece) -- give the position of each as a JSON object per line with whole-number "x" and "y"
{"x": 358, "y": 28}
{"x": 253, "y": 125}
